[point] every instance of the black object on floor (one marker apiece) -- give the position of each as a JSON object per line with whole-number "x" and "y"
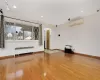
{"x": 69, "y": 49}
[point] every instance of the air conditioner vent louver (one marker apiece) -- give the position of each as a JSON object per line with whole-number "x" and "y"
{"x": 76, "y": 21}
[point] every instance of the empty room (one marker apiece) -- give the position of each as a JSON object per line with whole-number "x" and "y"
{"x": 49, "y": 39}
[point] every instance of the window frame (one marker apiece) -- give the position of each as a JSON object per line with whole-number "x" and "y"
{"x": 15, "y": 37}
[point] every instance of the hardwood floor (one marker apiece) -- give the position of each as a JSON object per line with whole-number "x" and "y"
{"x": 55, "y": 66}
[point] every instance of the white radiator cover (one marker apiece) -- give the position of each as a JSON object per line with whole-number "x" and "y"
{"x": 11, "y": 45}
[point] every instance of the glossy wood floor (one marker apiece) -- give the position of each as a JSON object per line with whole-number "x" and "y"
{"x": 56, "y": 66}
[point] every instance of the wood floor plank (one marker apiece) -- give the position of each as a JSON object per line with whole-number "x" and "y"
{"x": 56, "y": 66}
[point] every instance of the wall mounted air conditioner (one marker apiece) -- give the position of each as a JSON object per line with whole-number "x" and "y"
{"x": 76, "y": 21}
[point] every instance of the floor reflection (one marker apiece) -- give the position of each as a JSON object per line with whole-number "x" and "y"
{"x": 2, "y": 72}
{"x": 47, "y": 58}
{"x": 69, "y": 56}
{"x": 45, "y": 66}
{"x": 19, "y": 73}
{"x": 7, "y": 69}
{"x": 11, "y": 76}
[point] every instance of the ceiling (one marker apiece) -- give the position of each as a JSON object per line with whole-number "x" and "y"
{"x": 53, "y": 11}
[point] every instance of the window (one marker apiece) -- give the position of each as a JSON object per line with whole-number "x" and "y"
{"x": 20, "y": 32}
{"x": 23, "y": 32}
{"x": 9, "y": 31}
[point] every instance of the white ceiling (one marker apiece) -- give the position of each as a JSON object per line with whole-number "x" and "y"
{"x": 53, "y": 11}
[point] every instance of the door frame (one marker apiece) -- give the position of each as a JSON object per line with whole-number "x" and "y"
{"x": 47, "y": 34}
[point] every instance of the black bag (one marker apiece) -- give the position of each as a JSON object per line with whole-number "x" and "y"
{"x": 69, "y": 50}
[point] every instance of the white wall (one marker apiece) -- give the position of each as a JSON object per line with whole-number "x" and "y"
{"x": 11, "y": 44}
{"x": 84, "y": 38}
{"x": 52, "y": 36}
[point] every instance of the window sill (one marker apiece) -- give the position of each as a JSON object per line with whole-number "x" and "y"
{"x": 20, "y": 40}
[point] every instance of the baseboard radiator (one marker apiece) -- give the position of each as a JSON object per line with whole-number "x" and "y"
{"x": 19, "y": 48}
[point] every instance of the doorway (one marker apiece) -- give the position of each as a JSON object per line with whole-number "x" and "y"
{"x": 47, "y": 38}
